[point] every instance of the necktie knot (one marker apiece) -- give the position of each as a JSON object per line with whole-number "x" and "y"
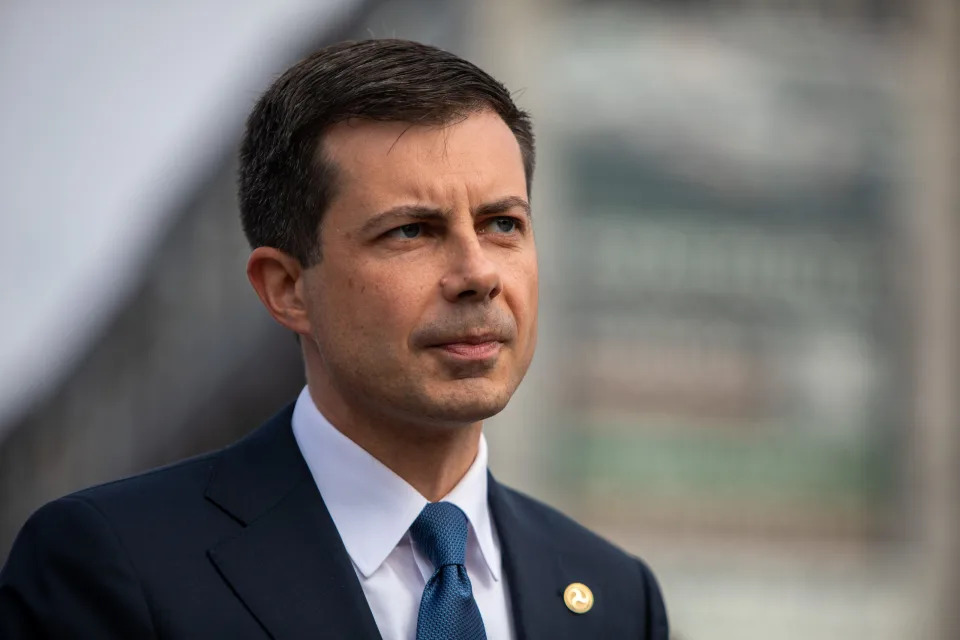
{"x": 448, "y": 610}
{"x": 440, "y": 532}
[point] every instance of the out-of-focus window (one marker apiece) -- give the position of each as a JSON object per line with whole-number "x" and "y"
{"x": 730, "y": 386}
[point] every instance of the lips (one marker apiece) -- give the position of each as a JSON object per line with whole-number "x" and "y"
{"x": 473, "y": 351}
{"x": 470, "y": 339}
{"x": 472, "y": 346}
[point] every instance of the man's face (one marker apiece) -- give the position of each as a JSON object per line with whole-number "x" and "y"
{"x": 424, "y": 306}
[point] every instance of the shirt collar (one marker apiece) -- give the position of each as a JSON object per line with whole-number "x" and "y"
{"x": 371, "y": 506}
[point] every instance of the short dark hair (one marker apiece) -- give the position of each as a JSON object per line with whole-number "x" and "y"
{"x": 286, "y": 183}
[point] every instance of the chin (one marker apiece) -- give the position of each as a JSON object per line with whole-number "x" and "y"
{"x": 475, "y": 412}
{"x": 468, "y": 405}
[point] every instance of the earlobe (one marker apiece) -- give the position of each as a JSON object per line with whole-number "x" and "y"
{"x": 276, "y": 277}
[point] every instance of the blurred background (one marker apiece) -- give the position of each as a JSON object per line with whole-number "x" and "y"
{"x": 747, "y": 216}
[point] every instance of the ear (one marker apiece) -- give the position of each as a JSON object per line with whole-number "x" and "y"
{"x": 277, "y": 279}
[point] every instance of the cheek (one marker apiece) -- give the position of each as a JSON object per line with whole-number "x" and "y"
{"x": 524, "y": 299}
{"x": 532, "y": 308}
{"x": 376, "y": 302}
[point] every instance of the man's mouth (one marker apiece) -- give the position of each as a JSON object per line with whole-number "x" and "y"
{"x": 472, "y": 347}
{"x": 472, "y": 350}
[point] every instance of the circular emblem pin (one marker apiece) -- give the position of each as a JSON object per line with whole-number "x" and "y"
{"x": 578, "y": 597}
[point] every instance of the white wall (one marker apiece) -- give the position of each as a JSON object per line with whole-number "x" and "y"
{"x": 111, "y": 111}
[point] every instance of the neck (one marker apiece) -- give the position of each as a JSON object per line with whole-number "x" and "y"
{"x": 432, "y": 459}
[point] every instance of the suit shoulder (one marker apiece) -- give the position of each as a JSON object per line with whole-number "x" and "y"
{"x": 586, "y": 553}
{"x": 563, "y": 530}
{"x": 69, "y": 575}
{"x": 181, "y": 478}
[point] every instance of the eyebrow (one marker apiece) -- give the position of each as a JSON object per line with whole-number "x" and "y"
{"x": 503, "y": 205}
{"x": 424, "y": 213}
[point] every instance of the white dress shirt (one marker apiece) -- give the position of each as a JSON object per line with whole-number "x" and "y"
{"x": 373, "y": 509}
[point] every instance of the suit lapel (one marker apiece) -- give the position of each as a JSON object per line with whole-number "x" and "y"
{"x": 288, "y": 564}
{"x": 538, "y": 571}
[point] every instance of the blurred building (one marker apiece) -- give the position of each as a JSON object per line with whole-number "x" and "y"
{"x": 746, "y": 212}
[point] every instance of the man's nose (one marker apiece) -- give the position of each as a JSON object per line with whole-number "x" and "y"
{"x": 472, "y": 275}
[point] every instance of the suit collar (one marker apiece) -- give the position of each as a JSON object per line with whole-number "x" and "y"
{"x": 538, "y": 569}
{"x": 257, "y": 472}
{"x": 531, "y": 573}
{"x": 287, "y": 564}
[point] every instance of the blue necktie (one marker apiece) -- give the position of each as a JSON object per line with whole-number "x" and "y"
{"x": 447, "y": 609}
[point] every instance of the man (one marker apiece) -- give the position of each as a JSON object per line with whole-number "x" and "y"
{"x": 384, "y": 188}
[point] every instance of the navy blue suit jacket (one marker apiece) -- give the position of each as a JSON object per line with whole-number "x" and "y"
{"x": 239, "y": 544}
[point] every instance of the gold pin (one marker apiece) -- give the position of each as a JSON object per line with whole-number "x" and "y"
{"x": 578, "y": 597}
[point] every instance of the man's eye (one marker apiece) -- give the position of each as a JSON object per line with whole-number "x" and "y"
{"x": 407, "y": 231}
{"x": 503, "y": 225}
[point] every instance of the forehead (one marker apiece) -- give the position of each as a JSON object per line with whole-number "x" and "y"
{"x": 478, "y": 152}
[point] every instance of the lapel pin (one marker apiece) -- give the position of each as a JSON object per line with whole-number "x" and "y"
{"x": 578, "y": 597}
